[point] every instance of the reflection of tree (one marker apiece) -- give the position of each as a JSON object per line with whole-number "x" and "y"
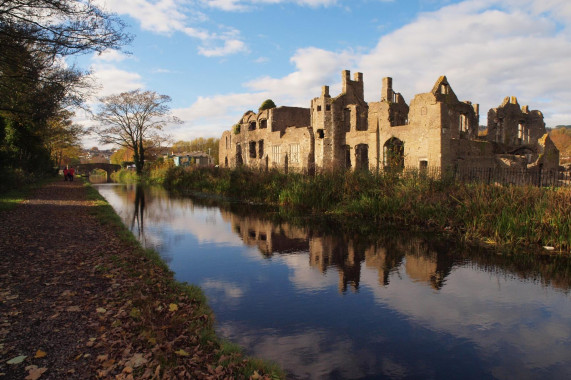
{"x": 138, "y": 213}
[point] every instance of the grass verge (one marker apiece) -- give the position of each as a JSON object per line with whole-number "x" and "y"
{"x": 153, "y": 310}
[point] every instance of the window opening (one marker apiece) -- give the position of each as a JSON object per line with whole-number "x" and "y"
{"x": 276, "y": 154}
{"x": 252, "y": 149}
{"x": 294, "y": 153}
{"x": 362, "y": 157}
{"x": 393, "y": 154}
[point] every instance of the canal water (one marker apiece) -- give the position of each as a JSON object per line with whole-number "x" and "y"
{"x": 328, "y": 304}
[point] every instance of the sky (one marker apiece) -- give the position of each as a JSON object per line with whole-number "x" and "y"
{"x": 218, "y": 59}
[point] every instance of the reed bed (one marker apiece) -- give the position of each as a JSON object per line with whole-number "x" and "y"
{"x": 509, "y": 217}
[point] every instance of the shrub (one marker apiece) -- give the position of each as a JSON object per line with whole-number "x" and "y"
{"x": 267, "y": 104}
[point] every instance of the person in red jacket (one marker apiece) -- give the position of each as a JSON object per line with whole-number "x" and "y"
{"x": 65, "y": 173}
{"x": 71, "y": 172}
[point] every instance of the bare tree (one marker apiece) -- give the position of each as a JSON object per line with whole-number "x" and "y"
{"x": 61, "y": 27}
{"x": 133, "y": 120}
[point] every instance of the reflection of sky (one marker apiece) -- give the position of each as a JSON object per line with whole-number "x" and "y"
{"x": 478, "y": 325}
{"x": 165, "y": 218}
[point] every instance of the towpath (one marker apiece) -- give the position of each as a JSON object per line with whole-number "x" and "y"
{"x": 78, "y": 302}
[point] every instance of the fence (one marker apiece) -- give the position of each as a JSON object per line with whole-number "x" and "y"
{"x": 515, "y": 177}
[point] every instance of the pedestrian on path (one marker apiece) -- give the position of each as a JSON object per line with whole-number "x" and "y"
{"x": 65, "y": 173}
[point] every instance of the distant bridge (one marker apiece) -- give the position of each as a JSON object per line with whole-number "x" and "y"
{"x": 85, "y": 169}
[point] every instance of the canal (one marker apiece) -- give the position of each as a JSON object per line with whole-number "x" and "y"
{"x": 328, "y": 304}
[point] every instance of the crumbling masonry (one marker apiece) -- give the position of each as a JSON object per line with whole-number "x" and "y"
{"x": 435, "y": 130}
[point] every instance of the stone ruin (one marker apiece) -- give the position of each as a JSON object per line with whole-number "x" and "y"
{"x": 344, "y": 132}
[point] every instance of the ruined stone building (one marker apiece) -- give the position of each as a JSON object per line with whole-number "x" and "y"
{"x": 434, "y": 130}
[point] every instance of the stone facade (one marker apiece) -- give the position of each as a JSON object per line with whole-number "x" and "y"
{"x": 345, "y": 132}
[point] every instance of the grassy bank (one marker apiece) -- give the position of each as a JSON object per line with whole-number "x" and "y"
{"x": 196, "y": 320}
{"x": 508, "y": 217}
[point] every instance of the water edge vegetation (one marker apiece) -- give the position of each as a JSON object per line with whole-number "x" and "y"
{"x": 511, "y": 218}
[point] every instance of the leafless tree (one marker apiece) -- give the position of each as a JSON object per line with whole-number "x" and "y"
{"x": 133, "y": 120}
{"x": 60, "y": 27}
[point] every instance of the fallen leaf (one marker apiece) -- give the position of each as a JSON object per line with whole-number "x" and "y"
{"x": 173, "y": 307}
{"x": 17, "y": 359}
{"x": 182, "y": 352}
{"x": 73, "y": 308}
{"x": 35, "y": 373}
{"x": 40, "y": 354}
{"x": 135, "y": 313}
{"x": 101, "y": 310}
{"x": 136, "y": 361}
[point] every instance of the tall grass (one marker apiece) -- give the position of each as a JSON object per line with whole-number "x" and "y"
{"x": 125, "y": 176}
{"x": 511, "y": 217}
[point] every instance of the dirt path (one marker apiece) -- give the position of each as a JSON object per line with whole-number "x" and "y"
{"x": 76, "y": 302}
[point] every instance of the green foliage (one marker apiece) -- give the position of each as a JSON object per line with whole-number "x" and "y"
{"x": 267, "y": 104}
{"x": 125, "y": 176}
{"x": 236, "y": 129}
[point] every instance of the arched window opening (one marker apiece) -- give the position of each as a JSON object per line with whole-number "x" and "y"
{"x": 393, "y": 154}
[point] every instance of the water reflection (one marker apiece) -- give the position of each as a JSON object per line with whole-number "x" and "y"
{"x": 326, "y": 303}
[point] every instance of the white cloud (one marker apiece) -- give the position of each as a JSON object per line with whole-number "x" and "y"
{"x": 110, "y": 56}
{"x": 245, "y": 5}
{"x": 231, "y": 46}
{"x": 169, "y": 16}
{"x": 486, "y": 52}
{"x": 113, "y": 80}
{"x": 215, "y": 114}
{"x": 314, "y": 68}
{"x": 210, "y": 116}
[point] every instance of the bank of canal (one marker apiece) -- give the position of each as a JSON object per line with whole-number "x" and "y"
{"x": 325, "y": 303}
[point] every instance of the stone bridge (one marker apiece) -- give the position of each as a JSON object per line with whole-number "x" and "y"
{"x": 85, "y": 169}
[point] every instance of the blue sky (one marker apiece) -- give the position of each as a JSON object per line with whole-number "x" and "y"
{"x": 217, "y": 59}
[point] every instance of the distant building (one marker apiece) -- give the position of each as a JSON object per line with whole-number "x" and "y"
{"x": 435, "y": 130}
{"x": 192, "y": 159}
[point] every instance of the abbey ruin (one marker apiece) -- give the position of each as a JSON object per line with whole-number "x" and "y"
{"x": 435, "y": 130}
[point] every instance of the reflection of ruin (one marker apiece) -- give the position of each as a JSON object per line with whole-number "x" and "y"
{"x": 423, "y": 260}
{"x": 268, "y": 237}
{"x": 327, "y": 251}
{"x": 421, "y": 263}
